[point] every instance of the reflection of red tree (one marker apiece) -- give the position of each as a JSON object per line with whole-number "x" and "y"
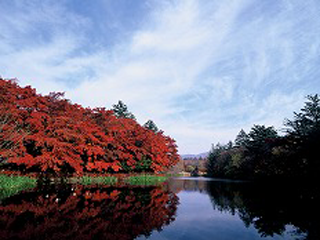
{"x": 48, "y": 133}
{"x": 87, "y": 213}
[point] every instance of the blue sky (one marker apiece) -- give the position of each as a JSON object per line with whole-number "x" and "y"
{"x": 202, "y": 70}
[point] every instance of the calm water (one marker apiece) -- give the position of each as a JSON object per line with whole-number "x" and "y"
{"x": 185, "y": 208}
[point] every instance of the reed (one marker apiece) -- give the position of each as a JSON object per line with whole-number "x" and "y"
{"x": 11, "y": 185}
{"x": 145, "y": 179}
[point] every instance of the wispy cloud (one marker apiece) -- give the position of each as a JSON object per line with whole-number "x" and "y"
{"x": 200, "y": 69}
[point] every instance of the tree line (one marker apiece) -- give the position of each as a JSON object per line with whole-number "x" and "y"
{"x": 263, "y": 153}
{"x": 49, "y": 134}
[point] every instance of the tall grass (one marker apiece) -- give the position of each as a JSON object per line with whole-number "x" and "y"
{"x": 145, "y": 179}
{"x": 86, "y": 180}
{"x": 174, "y": 175}
{"x": 11, "y": 185}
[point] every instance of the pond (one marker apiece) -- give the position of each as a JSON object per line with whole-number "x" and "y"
{"x": 182, "y": 208}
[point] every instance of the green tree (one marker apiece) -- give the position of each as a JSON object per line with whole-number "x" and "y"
{"x": 217, "y": 160}
{"x": 308, "y": 120}
{"x": 304, "y": 138}
{"x": 151, "y": 126}
{"x": 259, "y": 151}
{"x": 259, "y": 134}
{"x": 121, "y": 111}
{"x": 241, "y": 139}
{"x": 229, "y": 145}
{"x": 311, "y": 109}
{"x": 143, "y": 165}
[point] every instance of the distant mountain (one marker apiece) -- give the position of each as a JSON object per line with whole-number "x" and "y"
{"x": 188, "y": 156}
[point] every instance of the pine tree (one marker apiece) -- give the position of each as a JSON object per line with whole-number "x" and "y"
{"x": 121, "y": 111}
{"x": 241, "y": 139}
{"x": 151, "y": 126}
{"x": 308, "y": 120}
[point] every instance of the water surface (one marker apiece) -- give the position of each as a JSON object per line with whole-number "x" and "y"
{"x": 183, "y": 208}
{"x": 224, "y": 209}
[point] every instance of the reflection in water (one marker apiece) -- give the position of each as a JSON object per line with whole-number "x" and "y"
{"x": 207, "y": 210}
{"x": 269, "y": 208}
{"x": 82, "y": 212}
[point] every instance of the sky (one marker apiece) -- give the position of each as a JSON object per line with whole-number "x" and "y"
{"x": 201, "y": 70}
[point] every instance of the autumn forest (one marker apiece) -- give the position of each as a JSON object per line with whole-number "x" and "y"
{"x": 49, "y": 134}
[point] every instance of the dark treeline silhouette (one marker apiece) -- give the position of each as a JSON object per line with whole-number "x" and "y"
{"x": 270, "y": 209}
{"x": 263, "y": 154}
{"x": 87, "y": 212}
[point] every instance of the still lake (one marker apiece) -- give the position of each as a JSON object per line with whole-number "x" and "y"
{"x": 182, "y": 208}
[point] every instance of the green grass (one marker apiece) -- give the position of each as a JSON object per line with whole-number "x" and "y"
{"x": 11, "y": 185}
{"x": 145, "y": 179}
{"x": 174, "y": 175}
{"x": 86, "y": 180}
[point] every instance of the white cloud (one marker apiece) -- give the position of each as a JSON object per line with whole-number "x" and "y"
{"x": 163, "y": 61}
{"x": 202, "y": 70}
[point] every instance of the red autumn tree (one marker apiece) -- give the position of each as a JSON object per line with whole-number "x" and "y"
{"x": 50, "y": 134}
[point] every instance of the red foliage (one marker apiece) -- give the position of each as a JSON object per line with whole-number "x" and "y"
{"x": 78, "y": 212}
{"x": 50, "y": 134}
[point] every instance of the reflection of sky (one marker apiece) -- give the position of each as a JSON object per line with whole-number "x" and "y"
{"x": 196, "y": 219}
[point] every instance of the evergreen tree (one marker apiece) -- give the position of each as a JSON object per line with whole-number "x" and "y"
{"x": 259, "y": 134}
{"x": 229, "y": 145}
{"x": 215, "y": 166}
{"x": 308, "y": 120}
{"x": 241, "y": 139}
{"x": 121, "y": 111}
{"x": 304, "y": 132}
{"x": 151, "y": 126}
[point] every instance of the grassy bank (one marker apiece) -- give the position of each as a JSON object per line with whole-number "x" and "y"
{"x": 120, "y": 179}
{"x": 145, "y": 179}
{"x": 11, "y": 185}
